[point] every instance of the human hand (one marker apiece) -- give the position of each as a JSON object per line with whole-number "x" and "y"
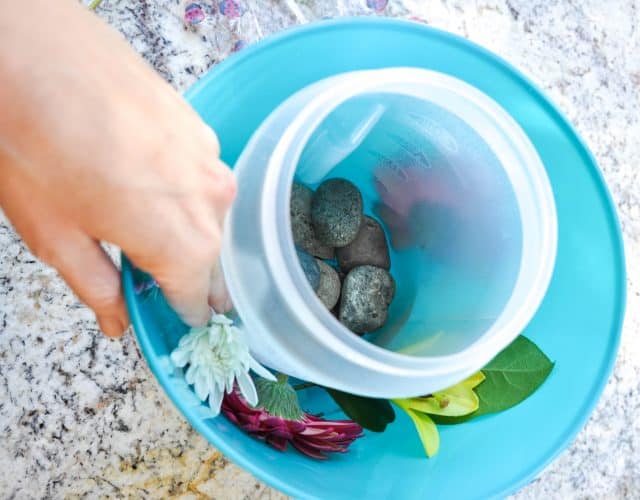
{"x": 94, "y": 146}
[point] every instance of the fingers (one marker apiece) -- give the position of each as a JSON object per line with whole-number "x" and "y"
{"x": 190, "y": 293}
{"x": 189, "y": 275}
{"x": 88, "y": 270}
{"x": 218, "y": 295}
{"x": 185, "y": 261}
{"x": 187, "y": 291}
{"x": 79, "y": 259}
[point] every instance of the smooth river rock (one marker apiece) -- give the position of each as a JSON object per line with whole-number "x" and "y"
{"x": 336, "y": 212}
{"x": 329, "y": 288}
{"x": 310, "y": 267}
{"x": 367, "y": 292}
{"x": 368, "y": 248}
{"x": 303, "y": 234}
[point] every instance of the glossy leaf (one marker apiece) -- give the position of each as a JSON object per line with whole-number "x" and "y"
{"x": 511, "y": 377}
{"x": 372, "y": 414}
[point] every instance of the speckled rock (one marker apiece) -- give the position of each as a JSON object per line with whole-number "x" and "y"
{"x": 336, "y": 212}
{"x": 329, "y": 288}
{"x": 303, "y": 234}
{"x": 367, "y": 292}
{"x": 368, "y": 248}
{"x": 310, "y": 268}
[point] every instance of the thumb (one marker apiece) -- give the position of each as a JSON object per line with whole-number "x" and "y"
{"x": 89, "y": 271}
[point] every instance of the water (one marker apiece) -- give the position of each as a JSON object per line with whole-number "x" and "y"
{"x": 447, "y": 207}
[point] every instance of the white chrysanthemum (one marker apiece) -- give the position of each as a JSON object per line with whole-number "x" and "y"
{"x": 218, "y": 356}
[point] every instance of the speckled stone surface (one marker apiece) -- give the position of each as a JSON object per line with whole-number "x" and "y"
{"x": 81, "y": 415}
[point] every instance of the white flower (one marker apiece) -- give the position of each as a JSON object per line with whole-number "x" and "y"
{"x": 218, "y": 356}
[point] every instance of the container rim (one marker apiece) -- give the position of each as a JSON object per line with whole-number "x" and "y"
{"x": 522, "y": 165}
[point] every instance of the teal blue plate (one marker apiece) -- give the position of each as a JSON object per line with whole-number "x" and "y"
{"x": 578, "y": 324}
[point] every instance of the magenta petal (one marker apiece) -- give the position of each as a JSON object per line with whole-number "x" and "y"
{"x": 311, "y": 431}
{"x": 282, "y": 433}
{"x": 321, "y": 447}
{"x": 231, "y": 417}
{"x": 277, "y": 443}
{"x": 313, "y": 436}
{"x": 310, "y": 451}
{"x": 270, "y": 421}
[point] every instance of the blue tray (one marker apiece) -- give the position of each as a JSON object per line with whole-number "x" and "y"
{"x": 578, "y": 324}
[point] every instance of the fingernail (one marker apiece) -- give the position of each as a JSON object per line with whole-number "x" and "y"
{"x": 125, "y": 328}
{"x": 111, "y": 326}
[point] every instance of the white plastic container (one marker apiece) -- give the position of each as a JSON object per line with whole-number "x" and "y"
{"x": 464, "y": 199}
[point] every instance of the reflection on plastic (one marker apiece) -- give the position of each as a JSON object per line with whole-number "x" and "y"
{"x": 341, "y": 134}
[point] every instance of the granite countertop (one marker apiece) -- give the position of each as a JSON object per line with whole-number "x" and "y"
{"x": 82, "y": 416}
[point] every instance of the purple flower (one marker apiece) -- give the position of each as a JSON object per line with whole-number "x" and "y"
{"x": 193, "y": 14}
{"x": 313, "y": 436}
{"x": 377, "y": 5}
{"x": 231, "y": 8}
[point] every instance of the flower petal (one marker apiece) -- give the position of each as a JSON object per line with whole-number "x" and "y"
{"x": 474, "y": 380}
{"x": 201, "y": 387}
{"x": 221, "y": 319}
{"x": 304, "y": 447}
{"x": 229, "y": 383}
{"x": 261, "y": 370}
{"x": 248, "y": 390}
{"x": 277, "y": 442}
{"x": 426, "y": 428}
{"x": 190, "y": 375}
{"x": 215, "y": 401}
{"x": 180, "y": 357}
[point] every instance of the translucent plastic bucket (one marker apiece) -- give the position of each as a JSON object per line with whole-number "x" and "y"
{"x": 466, "y": 205}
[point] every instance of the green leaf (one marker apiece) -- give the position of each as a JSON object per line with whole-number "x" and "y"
{"x": 511, "y": 377}
{"x": 370, "y": 413}
{"x": 278, "y": 398}
{"x": 426, "y": 428}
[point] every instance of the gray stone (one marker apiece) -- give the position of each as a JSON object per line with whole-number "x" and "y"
{"x": 310, "y": 268}
{"x": 336, "y": 212}
{"x": 303, "y": 234}
{"x": 367, "y": 292}
{"x": 329, "y": 288}
{"x": 369, "y": 248}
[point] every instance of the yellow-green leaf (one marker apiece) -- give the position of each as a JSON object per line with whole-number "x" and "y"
{"x": 427, "y": 430}
{"x": 452, "y": 402}
{"x": 474, "y": 380}
{"x": 446, "y": 403}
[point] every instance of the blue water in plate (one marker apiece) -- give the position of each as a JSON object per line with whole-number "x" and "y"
{"x": 447, "y": 206}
